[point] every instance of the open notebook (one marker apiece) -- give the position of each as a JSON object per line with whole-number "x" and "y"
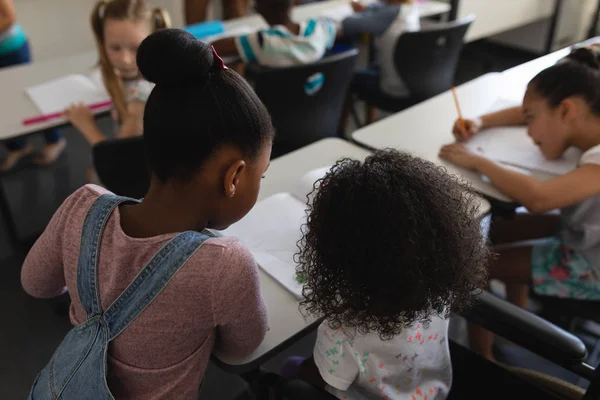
{"x": 58, "y": 94}
{"x": 271, "y": 231}
{"x": 512, "y": 145}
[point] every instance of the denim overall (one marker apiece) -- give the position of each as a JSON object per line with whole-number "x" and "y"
{"x": 77, "y": 369}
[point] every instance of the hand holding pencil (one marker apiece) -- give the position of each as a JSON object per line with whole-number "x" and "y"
{"x": 464, "y": 129}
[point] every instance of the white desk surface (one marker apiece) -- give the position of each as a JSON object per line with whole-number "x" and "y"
{"x": 15, "y": 106}
{"x": 285, "y": 320}
{"x": 424, "y": 128}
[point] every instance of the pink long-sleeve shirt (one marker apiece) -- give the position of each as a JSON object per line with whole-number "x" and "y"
{"x": 213, "y": 301}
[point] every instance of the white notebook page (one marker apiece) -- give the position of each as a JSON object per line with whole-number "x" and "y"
{"x": 270, "y": 231}
{"x": 58, "y": 94}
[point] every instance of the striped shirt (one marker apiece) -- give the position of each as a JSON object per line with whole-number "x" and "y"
{"x": 278, "y": 47}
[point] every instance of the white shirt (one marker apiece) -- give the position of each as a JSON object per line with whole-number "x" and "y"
{"x": 406, "y": 21}
{"x": 278, "y": 47}
{"x": 414, "y": 365}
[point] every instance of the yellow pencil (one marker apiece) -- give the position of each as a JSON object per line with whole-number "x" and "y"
{"x": 462, "y": 121}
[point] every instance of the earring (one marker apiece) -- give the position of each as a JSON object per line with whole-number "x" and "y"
{"x": 229, "y": 194}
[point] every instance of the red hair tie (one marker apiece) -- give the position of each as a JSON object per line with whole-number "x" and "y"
{"x": 218, "y": 60}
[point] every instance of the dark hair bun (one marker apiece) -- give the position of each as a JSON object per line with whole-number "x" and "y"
{"x": 590, "y": 57}
{"x": 174, "y": 57}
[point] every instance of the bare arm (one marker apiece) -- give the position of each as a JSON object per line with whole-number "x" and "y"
{"x": 195, "y": 11}
{"x": 571, "y": 188}
{"x": 8, "y": 15}
{"x": 536, "y": 196}
{"x": 508, "y": 116}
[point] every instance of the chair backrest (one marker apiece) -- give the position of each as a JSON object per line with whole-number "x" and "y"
{"x": 122, "y": 166}
{"x": 305, "y": 101}
{"x": 427, "y": 59}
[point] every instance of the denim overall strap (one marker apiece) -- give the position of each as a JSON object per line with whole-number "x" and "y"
{"x": 87, "y": 267}
{"x": 151, "y": 280}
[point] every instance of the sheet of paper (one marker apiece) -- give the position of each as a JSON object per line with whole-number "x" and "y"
{"x": 56, "y": 95}
{"x": 306, "y": 184}
{"x": 271, "y": 231}
{"x": 511, "y": 145}
{"x": 237, "y": 31}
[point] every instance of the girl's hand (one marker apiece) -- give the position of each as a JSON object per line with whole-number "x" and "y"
{"x": 358, "y": 6}
{"x": 80, "y": 116}
{"x": 473, "y": 126}
{"x": 460, "y": 155}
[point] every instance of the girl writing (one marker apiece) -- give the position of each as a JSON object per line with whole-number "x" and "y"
{"x": 206, "y": 172}
{"x": 561, "y": 108}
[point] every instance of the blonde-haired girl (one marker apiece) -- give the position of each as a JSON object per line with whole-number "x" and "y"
{"x": 119, "y": 27}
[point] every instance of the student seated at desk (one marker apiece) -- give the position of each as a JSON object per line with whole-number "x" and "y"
{"x": 391, "y": 246}
{"x": 206, "y": 173}
{"x": 285, "y": 43}
{"x": 386, "y": 20}
{"x": 14, "y": 50}
{"x": 561, "y": 108}
{"x": 119, "y": 27}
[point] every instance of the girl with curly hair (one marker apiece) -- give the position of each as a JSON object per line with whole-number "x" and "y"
{"x": 391, "y": 246}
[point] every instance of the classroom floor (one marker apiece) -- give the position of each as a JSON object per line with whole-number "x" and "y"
{"x": 31, "y": 329}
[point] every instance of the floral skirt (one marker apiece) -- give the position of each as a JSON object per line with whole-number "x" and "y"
{"x": 560, "y": 271}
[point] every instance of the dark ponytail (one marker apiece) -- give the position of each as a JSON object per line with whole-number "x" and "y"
{"x": 197, "y": 106}
{"x": 578, "y": 74}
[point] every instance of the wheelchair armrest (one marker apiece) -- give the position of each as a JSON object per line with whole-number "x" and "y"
{"x": 527, "y": 330}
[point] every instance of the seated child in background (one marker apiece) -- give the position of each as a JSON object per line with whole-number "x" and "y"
{"x": 391, "y": 246}
{"x": 386, "y": 20}
{"x": 119, "y": 27}
{"x": 285, "y": 43}
{"x": 14, "y": 50}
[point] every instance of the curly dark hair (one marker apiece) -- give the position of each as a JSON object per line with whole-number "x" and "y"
{"x": 388, "y": 242}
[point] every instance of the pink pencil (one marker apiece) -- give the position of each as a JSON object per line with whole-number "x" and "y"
{"x": 47, "y": 117}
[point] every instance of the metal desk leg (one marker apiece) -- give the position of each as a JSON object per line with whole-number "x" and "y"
{"x": 9, "y": 221}
{"x": 553, "y": 23}
{"x": 454, "y": 10}
{"x": 594, "y": 24}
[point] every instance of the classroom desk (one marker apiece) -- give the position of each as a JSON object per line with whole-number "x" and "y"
{"x": 286, "y": 323}
{"x": 16, "y": 106}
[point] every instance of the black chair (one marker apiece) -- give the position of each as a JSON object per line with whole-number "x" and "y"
{"x": 516, "y": 325}
{"x": 305, "y": 101}
{"x": 426, "y": 61}
{"x": 122, "y": 167}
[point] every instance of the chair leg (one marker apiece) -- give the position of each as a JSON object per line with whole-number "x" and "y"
{"x": 347, "y": 109}
{"x": 354, "y": 113}
{"x": 371, "y": 114}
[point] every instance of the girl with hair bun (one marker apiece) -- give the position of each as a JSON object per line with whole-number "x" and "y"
{"x": 561, "y": 109}
{"x": 208, "y": 141}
